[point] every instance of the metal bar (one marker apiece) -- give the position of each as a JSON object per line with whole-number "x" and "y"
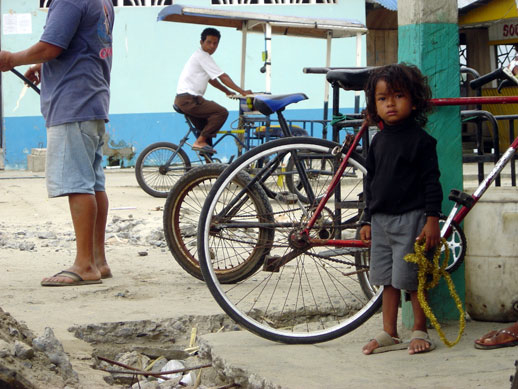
{"x": 475, "y": 100}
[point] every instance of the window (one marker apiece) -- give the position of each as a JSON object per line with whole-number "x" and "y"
{"x": 504, "y": 55}
{"x": 124, "y": 3}
{"x": 271, "y": 2}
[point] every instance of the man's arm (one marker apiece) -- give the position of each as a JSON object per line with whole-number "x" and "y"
{"x": 218, "y": 85}
{"x": 37, "y": 53}
{"x": 225, "y": 79}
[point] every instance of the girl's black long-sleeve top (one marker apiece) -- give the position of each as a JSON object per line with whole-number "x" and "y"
{"x": 402, "y": 172}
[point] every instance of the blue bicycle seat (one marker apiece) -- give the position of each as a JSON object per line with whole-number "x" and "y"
{"x": 268, "y": 104}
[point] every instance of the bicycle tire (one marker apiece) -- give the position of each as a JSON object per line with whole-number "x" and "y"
{"x": 153, "y": 176}
{"x": 456, "y": 244}
{"x": 181, "y": 214}
{"x": 315, "y": 297}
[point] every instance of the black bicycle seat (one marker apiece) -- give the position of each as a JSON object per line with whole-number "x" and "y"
{"x": 349, "y": 79}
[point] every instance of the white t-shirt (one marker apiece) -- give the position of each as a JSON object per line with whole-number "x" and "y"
{"x": 197, "y": 72}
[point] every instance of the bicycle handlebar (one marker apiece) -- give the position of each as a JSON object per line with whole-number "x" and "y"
{"x": 504, "y": 74}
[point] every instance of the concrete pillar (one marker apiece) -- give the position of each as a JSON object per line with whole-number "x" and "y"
{"x": 428, "y": 38}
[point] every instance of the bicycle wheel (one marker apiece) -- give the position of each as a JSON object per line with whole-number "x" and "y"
{"x": 159, "y": 166}
{"x": 316, "y": 294}
{"x": 456, "y": 244}
{"x": 181, "y": 214}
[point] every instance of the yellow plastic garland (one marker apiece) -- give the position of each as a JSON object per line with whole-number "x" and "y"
{"x": 427, "y": 267}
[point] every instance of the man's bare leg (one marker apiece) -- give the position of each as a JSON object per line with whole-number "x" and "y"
{"x": 99, "y": 234}
{"x": 389, "y": 307}
{"x": 83, "y": 208}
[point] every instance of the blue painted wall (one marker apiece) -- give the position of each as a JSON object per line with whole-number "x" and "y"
{"x": 148, "y": 57}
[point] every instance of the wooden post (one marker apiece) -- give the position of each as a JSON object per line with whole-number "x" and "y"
{"x": 428, "y": 38}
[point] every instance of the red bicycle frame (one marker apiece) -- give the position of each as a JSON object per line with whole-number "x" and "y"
{"x": 458, "y": 212}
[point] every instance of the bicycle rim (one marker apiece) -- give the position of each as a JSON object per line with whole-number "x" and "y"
{"x": 181, "y": 215}
{"x": 317, "y": 295}
{"x": 456, "y": 244}
{"x": 154, "y": 175}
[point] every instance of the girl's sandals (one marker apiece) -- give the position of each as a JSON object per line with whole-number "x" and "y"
{"x": 388, "y": 343}
{"x": 422, "y": 335}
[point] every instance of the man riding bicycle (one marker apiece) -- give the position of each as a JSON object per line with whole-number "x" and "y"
{"x": 200, "y": 70}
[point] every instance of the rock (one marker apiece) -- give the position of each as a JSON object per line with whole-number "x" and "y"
{"x": 23, "y": 350}
{"x": 51, "y": 346}
{"x": 5, "y": 349}
{"x": 47, "y": 235}
{"x": 146, "y": 385}
{"x": 133, "y": 359}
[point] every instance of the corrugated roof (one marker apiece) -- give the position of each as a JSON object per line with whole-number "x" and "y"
{"x": 281, "y": 25}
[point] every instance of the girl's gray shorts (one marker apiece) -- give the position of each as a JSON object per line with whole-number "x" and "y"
{"x": 393, "y": 237}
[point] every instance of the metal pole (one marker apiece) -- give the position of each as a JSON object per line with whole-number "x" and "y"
{"x": 244, "y": 30}
{"x": 268, "y": 38}
{"x": 358, "y": 64}
{"x": 328, "y": 64}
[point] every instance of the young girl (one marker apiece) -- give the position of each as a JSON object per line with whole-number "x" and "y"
{"x": 403, "y": 196}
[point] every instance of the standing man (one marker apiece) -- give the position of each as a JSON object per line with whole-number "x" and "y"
{"x": 73, "y": 62}
{"x": 200, "y": 70}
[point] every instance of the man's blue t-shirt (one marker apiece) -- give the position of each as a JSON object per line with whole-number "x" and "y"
{"x": 75, "y": 86}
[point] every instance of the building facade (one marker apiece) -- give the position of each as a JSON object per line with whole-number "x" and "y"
{"x": 148, "y": 58}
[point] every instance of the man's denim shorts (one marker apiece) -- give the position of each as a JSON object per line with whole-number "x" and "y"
{"x": 74, "y": 158}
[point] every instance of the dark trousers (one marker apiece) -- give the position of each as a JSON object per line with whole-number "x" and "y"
{"x": 207, "y": 116}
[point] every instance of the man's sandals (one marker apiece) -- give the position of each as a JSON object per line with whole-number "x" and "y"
{"x": 496, "y": 340}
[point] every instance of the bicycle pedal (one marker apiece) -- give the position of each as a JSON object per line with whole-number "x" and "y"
{"x": 271, "y": 263}
{"x": 287, "y": 197}
{"x": 461, "y": 198}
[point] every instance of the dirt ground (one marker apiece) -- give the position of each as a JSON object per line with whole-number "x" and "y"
{"x": 36, "y": 240}
{"x": 151, "y": 294}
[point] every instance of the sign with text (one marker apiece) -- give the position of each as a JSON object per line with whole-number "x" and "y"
{"x": 16, "y": 24}
{"x": 504, "y": 32}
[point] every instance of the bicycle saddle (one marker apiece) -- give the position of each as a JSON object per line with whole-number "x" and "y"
{"x": 268, "y": 104}
{"x": 349, "y": 79}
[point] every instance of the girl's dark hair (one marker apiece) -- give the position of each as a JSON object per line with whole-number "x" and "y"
{"x": 405, "y": 78}
{"x": 210, "y": 31}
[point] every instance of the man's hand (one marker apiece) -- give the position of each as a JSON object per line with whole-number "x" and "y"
{"x": 6, "y": 61}
{"x": 34, "y": 74}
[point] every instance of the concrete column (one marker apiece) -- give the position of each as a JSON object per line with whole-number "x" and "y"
{"x": 428, "y": 38}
